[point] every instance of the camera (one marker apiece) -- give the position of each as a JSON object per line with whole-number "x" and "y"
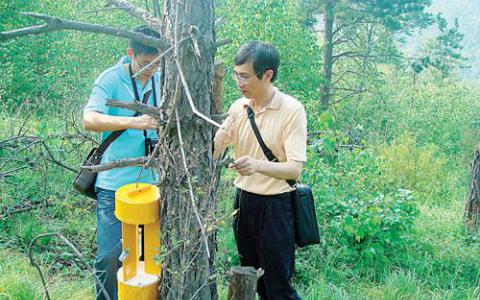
{"x": 150, "y": 144}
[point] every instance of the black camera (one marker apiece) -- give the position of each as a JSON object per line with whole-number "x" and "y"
{"x": 150, "y": 144}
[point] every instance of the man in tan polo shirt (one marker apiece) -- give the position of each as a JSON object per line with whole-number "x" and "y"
{"x": 263, "y": 226}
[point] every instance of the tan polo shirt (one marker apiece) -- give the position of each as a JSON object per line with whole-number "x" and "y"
{"x": 283, "y": 126}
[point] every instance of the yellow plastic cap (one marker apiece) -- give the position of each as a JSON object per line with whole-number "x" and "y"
{"x": 137, "y": 203}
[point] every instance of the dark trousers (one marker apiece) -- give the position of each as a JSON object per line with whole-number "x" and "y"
{"x": 265, "y": 238}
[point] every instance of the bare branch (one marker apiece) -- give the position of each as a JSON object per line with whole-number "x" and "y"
{"x": 26, "y": 206}
{"x": 219, "y": 22}
{"x": 77, "y": 254}
{"x": 190, "y": 186}
{"x": 57, "y": 24}
{"x": 163, "y": 132}
{"x": 341, "y": 76}
{"x": 346, "y": 96}
{"x": 339, "y": 41}
{"x": 361, "y": 90}
{"x": 129, "y": 162}
{"x": 338, "y": 56}
{"x": 189, "y": 96}
{"x": 99, "y": 10}
{"x": 9, "y": 173}
{"x": 223, "y": 42}
{"x": 152, "y": 22}
{"x": 339, "y": 27}
{"x": 158, "y": 58}
{"x": 36, "y": 140}
{"x": 145, "y": 109}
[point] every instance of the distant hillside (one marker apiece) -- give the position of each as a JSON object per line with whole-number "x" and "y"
{"x": 468, "y": 14}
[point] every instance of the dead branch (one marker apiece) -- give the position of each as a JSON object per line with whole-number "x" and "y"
{"x": 146, "y": 16}
{"x": 347, "y": 96}
{"x": 158, "y": 58}
{"x": 190, "y": 186}
{"x": 129, "y": 162}
{"x": 9, "y": 173}
{"x": 24, "y": 207}
{"x": 57, "y": 24}
{"x": 219, "y": 22}
{"x": 189, "y": 96}
{"x": 163, "y": 132}
{"x": 36, "y": 140}
{"x": 5, "y": 142}
{"x": 76, "y": 252}
{"x": 138, "y": 107}
{"x": 223, "y": 42}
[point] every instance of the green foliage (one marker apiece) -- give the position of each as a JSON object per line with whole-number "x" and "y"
{"x": 363, "y": 226}
{"x": 379, "y": 240}
{"x": 396, "y": 15}
{"x": 55, "y": 64}
{"x": 440, "y": 113}
{"x": 373, "y": 230}
{"x": 278, "y": 23}
{"x": 422, "y": 169}
{"x": 444, "y": 52}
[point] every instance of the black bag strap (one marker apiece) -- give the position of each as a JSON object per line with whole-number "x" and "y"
{"x": 114, "y": 135}
{"x": 137, "y": 96}
{"x": 268, "y": 153}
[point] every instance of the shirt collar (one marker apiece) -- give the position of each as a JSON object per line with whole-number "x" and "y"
{"x": 121, "y": 70}
{"x": 275, "y": 103}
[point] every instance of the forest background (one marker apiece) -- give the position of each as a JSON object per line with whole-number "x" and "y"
{"x": 389, "y": 151}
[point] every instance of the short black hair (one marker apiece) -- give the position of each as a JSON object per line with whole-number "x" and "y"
{"x": 139, "y": 47}
{"x": 264, "y": 56}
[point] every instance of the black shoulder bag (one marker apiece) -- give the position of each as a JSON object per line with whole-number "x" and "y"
{"x": 84, "y": 182}
{"x": 306, "y": 226}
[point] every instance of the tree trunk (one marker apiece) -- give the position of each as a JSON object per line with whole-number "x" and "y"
{"x": 186, "y": 256}
{"x": 243, "y": 283}
{"x": 472, "y": 204}
{"x": 328, "y": 54}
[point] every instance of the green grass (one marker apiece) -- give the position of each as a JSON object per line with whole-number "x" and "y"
{"x": 21, "y": 281}
{"x": 442, "y": 263}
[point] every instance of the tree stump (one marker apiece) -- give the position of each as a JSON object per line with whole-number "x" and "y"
{"x": 472, "y": 203}
{"x": 243, "y": 283}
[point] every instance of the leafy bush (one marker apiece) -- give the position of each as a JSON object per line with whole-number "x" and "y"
{"x": 368, "y": 232}
{"x": 421, "y": 169}
{"x": 365, "y": 223}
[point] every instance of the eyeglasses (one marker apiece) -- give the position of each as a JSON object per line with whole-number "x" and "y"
{"x": 143, "y": 64}
{"x": 242, "y": 78}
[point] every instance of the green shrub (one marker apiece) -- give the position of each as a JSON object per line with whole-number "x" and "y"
{"x": 364, "y": 222}
{"x": 421, "y": 169}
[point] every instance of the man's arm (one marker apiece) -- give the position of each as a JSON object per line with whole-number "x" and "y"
{"x": 98, "y": 122}
{"x": 295, "y": 136}
{"x": 224, "y": 135}
{"x": 247, "y": 166}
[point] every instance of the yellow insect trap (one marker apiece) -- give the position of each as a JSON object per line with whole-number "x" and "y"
{"x": 138, "y": 204}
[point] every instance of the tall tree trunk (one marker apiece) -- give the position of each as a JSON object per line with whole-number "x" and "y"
{"x": 472, "y": 204}
{"x": 186, "y": 257}
{"x": 328, "y": 54}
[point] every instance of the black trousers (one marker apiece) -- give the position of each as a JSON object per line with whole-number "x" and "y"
{"x": 265, "y": 238}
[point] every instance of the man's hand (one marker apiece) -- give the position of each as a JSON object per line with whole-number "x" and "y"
{"x": 245, "y": 165}
{"x": 144, "y": 122}
{"x": 98, "y": 122}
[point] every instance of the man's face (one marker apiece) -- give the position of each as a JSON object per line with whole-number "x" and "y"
{"x": 247, "y": 81}
{"x": 139, "y": 61}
